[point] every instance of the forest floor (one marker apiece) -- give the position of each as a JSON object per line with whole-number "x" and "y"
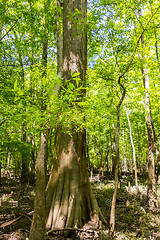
{"x": 134, "y": 220}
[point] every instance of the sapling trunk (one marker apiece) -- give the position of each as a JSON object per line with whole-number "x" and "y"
{"x": 37, "y": 230}
{"x": 134, "y": 154}
{"x": 112, "y": 214}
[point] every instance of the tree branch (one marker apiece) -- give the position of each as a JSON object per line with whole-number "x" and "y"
{"x": 131, "y": 60}
{"x": 3, "y": 121}
{"x": 9, "y": 29}
{"x": 4, "y": 10}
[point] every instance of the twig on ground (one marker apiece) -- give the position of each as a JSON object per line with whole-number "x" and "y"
{"x": 3, "y": 225}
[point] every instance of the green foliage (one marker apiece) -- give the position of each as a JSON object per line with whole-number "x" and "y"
{"x": 113, "y": 28}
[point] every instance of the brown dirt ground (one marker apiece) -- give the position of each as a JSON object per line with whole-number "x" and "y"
{"x": 133, "y": 218}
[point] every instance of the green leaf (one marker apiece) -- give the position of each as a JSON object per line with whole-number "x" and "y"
{"x": 75, "y": 75}
{"x": 77, "y": 81}
{"x": 71, "y": 86}
{"x": 15, "y": 85}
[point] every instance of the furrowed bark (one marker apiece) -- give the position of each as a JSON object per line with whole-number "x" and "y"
{"x": 69, "y": 198}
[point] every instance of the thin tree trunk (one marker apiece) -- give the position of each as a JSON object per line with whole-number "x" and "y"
{"x": 1, "y": 146}
{"x": 158, "y": 168}
{"x": 106, "y": 160}
{"x": 155, "y": 139}
{"x": 37, "y": 230}
{"x": 112, "y": 214}
{"x": 124, "y": 155}
{"x": 31, "y": 140}
{"x": 113, "y": 149}
{"x": 133, "y": 149}
{"x": 156, "y": 44}
{"x": 59, "y": 39}
{"x": 0, "y": 170}
{"x": 25, "y": 159}
{"x": 151, "y": 192}
{"x": 32, "y": 91}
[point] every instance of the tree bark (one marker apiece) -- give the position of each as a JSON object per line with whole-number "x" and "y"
{"x": 113, "y": 149}
{"x": 33, "y": 159}
{"x": 37, "y": 230}
{"x": 151, "y": 192}
{"x": 70, "y": 201}
{"x": 124, "y": 156}
{"x": 158, "y": 170}
{"x": 59, "y": 40}
{"x": 25, "y": 159}
{"x": 155, "y": 139}
{"x": 112, "y": 214}
{"x": 69, "y": 192}
{"x": 134, "y": 154}
{"x": 0, "y": 170}
{"x": 156, "y": 38}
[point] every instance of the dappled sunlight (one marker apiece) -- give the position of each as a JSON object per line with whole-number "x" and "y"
{"x": 133, "y": 190}
{"x": 79, "y": 96}
{"x": 134, "y": 219}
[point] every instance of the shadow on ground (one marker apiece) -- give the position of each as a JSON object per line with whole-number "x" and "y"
{"x": 134, "y": 220}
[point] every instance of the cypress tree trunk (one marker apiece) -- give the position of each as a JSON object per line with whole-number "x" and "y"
{"x": 69, "y": 200}
{"x": 69, "y": 194}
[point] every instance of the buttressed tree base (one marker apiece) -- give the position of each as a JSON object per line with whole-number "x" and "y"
{"x": 69, "y": 201}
